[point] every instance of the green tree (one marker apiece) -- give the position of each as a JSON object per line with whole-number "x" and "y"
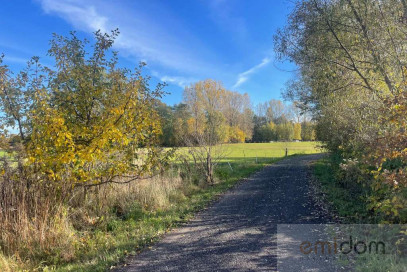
{"x": 285, "y": 131}
{"x": 351, "y": 56}
{"x": 307, "y": 131}
{"x": 297, "y": 131}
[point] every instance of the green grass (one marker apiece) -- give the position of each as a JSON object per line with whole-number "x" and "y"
{"x": 249, "y": 151}
{"x": 101, "y": 248}
{"x": 262, "y": 152}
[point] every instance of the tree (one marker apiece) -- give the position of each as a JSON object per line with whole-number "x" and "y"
{"x": 236, "y": 135}
{"x": 207, "y": 128}
{"x": 275, "y": 110}
{"x": 307, "y": 131}
{"x": 86, "y": 122}
{"x": 285, "y": 131}
{"x": 297, "y": 131}
{"x": 258, "y": 123}
{"x": 167, "y": 137}
{"x": 351, "y": 56}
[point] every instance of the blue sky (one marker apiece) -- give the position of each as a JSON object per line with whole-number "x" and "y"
{"x": 182, "y": 41}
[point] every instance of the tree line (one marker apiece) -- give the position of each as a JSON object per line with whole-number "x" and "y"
{"x": 232, "y": 117}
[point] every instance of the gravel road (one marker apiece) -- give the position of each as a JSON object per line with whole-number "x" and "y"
{"x": 239, "y": 232}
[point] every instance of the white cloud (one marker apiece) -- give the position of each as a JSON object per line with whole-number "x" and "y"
{"x": 141, "y": 36}
{"x": 243, "y": 77}
{"x": 177, "y": 80}
{"x": 169, "y": 49}
{"x": 180, "y": 81}
{"x": 80, "y": 16}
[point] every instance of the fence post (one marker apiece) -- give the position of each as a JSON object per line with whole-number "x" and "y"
{"x": 286, "y": 152}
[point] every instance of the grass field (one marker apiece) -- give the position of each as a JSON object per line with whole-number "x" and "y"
{"x": 251, "y": 151}
{"x": 265, "y": 152}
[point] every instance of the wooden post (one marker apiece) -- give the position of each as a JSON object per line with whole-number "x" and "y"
{"x": 286, "y": 152}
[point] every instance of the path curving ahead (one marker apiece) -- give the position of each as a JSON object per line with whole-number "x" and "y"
{"x": 238, "y": 232}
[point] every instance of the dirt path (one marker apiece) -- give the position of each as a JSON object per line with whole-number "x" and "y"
{"x": 239, "y": 232}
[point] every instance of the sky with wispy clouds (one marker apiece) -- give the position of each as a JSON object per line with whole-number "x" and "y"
{"x": 182, "y": 41}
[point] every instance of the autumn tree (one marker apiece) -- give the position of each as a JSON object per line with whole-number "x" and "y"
{"x": 307, "y": 131}
{"x": 238, "y": 114}
{"x": 207, "y": 127}
{"x": 86, "y": 120}
{"x": 350, "y": 54}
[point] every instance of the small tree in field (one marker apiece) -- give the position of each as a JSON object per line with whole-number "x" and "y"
{"x": 207, "y": 130}
{"x": 87, "y": 121}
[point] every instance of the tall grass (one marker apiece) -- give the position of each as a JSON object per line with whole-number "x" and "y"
{"x": 42, "y": 228}
{"x": 33, "y": 219}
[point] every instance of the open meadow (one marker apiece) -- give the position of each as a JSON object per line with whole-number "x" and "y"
{"x": 264, "y": 151}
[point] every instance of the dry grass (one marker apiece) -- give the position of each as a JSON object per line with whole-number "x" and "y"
{"x": 90, "y": 206}
{"x": 33, "y": 221}
{"x": 39, "y": 226}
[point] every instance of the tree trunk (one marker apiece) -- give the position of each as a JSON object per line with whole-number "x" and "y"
{"x": 209, "y": 169}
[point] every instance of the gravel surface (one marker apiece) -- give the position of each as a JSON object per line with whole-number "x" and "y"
{"x": 239, "y": 232}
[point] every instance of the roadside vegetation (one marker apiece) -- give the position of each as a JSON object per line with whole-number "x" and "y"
{"x": 351, "y": 56}
{"x": 349, "y": 201}
{"x": 352, "y": 79}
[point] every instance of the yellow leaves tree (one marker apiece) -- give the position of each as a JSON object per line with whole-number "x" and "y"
{"x": 207, "y": 128}
{"x": 88, "y": 120}
{"x": 387, "y": 154}
{"x": 209, "y": 97}
{"x": 236, "y": 135}
{"x": 272, "y": 126}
